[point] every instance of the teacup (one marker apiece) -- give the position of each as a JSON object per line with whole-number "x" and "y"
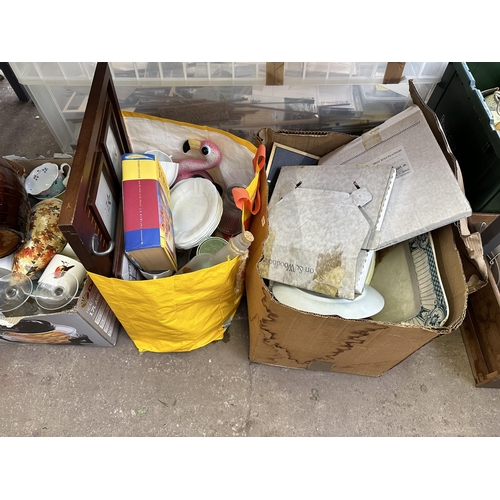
{"x": 47, "y": 180}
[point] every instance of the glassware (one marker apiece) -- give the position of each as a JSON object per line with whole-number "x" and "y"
{"x": 15, "y": 290}
{"x": 237, "y": 245}
{"x": 54, "y": 293}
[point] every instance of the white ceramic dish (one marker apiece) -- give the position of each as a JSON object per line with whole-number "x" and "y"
{"x": 408, "y": 279}
{"x": 196, "y": 211}
{"x": 365, "y": 305}
{"x": 170, "y": 168}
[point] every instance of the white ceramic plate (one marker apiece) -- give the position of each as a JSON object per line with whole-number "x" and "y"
{"x": 365, "y": 305}
{"x": 196, "y": 211}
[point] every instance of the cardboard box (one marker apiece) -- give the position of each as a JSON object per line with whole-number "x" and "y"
{"x": 481, "y": 327}
{"x": 283, "y": 336}
{"x": 90, "y": 322}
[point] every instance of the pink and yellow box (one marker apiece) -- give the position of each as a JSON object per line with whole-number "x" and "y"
{"x": 147, "y": 214}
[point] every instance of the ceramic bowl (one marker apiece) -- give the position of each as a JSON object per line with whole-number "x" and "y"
{"x": 170, "y": 168}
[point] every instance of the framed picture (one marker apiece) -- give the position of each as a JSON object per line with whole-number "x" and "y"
{"x": 103, "y": 198}
{"x": 282, "y": 156}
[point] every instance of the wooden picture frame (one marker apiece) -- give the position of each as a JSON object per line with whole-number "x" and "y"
{"x": 96, "y": 169}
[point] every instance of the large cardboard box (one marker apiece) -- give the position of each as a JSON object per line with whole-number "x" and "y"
{"x": 283, "y": 336}
{"x": 89, "y": 322}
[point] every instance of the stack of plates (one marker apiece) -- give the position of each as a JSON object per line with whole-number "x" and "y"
{"x": 196, "y": 211}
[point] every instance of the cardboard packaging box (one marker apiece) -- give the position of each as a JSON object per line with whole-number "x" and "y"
{"x": 284, "y": 336}
{"x": 147, "y": 216}
{"x": 89, "y": 322}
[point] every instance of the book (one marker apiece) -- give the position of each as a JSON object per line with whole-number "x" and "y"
{"x": 324, "y": 224}
{"x": 426, "y": 192}
{"x": 147, "y": 215}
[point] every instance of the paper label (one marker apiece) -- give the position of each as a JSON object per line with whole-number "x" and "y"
{"x": 398, "y": 159}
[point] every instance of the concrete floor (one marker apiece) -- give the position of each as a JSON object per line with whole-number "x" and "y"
{"x": 216, "y": 390}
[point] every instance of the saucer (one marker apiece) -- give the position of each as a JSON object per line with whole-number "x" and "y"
{"x": 365, "y": 305}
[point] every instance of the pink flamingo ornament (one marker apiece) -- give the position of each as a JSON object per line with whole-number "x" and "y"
{"x": 191, "y": 167}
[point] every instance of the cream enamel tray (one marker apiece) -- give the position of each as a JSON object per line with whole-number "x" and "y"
{"x": 408, "y": 278}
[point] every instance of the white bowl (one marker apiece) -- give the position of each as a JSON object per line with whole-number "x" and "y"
{"x": 170, "y": 168}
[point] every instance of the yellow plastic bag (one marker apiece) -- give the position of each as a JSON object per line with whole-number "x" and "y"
{"x": 175, "y": 314}
{"x": 185, "y": 311}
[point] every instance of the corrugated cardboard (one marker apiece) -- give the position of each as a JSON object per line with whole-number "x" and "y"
{"x": 280, "y": 335}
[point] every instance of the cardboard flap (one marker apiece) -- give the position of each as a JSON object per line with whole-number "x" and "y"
{"x": 471, "y": 245}
{"x": 312, "y": 244}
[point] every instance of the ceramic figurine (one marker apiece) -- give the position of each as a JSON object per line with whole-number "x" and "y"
{"x": 44, "y": 240}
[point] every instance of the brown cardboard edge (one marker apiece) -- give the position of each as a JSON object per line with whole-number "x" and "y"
{"x": 393, "y": 72}
{"x": 480, "y": 278}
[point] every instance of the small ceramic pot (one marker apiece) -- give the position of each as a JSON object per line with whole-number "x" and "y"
{"x": 47, "y": 180}
{"x": 44, "y": 239}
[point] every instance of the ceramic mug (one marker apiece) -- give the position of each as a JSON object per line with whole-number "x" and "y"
{"x": 61, "y": 265}
{"x": 59, "y": 283}
{"x": 48, "y": 180}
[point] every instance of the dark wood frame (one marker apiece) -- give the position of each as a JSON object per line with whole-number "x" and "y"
{"x": 79, "y": 221}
